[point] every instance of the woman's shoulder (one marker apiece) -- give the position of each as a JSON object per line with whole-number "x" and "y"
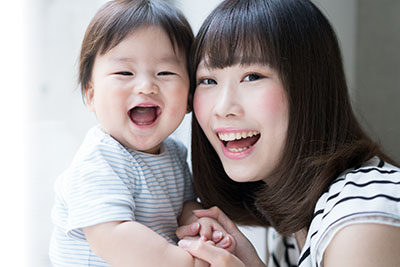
{"x": 365, "y": 194}
{"x": 373, "y": 171}
{"x": 375, "y": 180}
{"x": 370, "y": 188}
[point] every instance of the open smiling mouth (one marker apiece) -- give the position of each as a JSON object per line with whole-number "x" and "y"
{"x": 239, "y": 141}
{"x": 144, "y": 115}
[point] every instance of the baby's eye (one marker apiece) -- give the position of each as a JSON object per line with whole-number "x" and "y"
{"x": 207, "y": 81}
{"x": 124, "y": 73}
{"x": 164, "y": 73}
{"x": 252, "y": 77}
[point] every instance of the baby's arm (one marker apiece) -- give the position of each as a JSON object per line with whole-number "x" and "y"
{"x": 130, "y": 243}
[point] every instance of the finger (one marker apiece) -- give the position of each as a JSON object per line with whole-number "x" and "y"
{"x": 200, "y": 248}
{"x": 218, "y": 215}
{"x": 206, "y": 231}
{"x": 217, "y": 236}
{"x": 188, "y": 230}
{"x": 211, "y": 229}
{"x": 227, "y": 243}
{"x": 210, "y": 253}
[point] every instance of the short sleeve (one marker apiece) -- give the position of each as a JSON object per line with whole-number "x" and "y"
{"x": 96, "y": 194}
{"x": 366, "y": 195}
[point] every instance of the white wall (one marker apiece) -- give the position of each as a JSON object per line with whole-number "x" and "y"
{"x": 12, "y": 134}
{"x": 56, "y": 116}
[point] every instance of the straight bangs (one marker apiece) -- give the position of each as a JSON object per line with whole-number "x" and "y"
{"x": 240, "y": 34}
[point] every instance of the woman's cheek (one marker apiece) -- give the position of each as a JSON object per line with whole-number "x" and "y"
{"x": 201, "y": 107}
{"x": 272, "y": 103}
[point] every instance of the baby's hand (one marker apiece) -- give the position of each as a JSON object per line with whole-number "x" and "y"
{"x": 208, "y": 229}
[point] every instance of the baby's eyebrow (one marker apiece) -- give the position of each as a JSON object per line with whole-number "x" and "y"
{"x": 170, "y": 59}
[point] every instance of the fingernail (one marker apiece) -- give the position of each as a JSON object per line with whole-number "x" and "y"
{"x": 184, "y": 243}
{"x": 217, "y": 235}
{"x": 195, "y": 211}
{"x": 226, "y": 241}
{"x": 195, "y": 227}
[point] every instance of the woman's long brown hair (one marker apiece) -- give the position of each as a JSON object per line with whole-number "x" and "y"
{"x": 324, "y": 137}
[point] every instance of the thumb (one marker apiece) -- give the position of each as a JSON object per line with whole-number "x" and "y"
{"x": 192, "y": 229}
{"x": 208, "y": 252}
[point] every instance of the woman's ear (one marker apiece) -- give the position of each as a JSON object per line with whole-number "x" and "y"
{"x": 89, "y": 97}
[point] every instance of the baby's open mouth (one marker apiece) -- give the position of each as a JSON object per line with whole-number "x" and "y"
{"x": 239, "y": 141}
{"x": 144, "y": 115}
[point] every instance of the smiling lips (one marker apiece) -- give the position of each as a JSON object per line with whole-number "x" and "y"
{"x": 144, "y": 115}
{"x": 236, "y": 142}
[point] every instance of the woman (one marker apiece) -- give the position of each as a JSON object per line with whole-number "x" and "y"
{"x": 275, "y": 143}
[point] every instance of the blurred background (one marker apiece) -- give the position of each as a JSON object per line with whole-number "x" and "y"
{"x": 44, "y": 118}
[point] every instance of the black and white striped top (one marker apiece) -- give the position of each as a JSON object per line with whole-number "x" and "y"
{"x": 368, "y": 193}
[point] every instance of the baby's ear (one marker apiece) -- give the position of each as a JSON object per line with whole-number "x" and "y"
{"x": 89, "y": 97}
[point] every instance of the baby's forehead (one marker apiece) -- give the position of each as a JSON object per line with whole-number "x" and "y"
{"x": 177, "y": 52}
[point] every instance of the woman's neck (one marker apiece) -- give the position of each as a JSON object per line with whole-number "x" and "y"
{"x": 301, "y": 238}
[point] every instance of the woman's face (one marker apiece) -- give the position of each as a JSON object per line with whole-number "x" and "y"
{"x": 243, "y": 111}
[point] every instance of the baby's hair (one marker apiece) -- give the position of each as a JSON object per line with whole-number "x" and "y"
{"x": 117, "y": 19}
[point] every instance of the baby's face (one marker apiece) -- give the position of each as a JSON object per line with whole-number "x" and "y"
{"x": 139, "y": 89}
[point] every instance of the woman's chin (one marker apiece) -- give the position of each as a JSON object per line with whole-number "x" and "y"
{"x": 238, "y": 176}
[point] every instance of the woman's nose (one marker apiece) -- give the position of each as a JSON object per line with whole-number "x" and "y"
{"x": 228, "y": 103}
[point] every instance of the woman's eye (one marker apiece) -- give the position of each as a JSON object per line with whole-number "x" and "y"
{"x": 207, "y": 81}
{"x": 124, "y": 73}
{"x": 164, "y": 73}
{"x": 252, "y": 77}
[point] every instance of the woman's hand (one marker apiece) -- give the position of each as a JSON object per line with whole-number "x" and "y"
{"x": 207, "y": 251}
{"x": 244, "y": 250}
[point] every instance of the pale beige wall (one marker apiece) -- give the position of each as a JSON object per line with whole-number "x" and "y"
{"x": 377, "y": 95}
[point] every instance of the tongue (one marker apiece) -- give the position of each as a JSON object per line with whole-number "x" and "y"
{"x": 143, "y": 115}
{"x": 242, "y": 143}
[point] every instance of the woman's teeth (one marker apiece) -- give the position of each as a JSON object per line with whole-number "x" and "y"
{"x": 236, "y": 136}
{"x": 239, "y": 141}
{"x": 236, "y": 150}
